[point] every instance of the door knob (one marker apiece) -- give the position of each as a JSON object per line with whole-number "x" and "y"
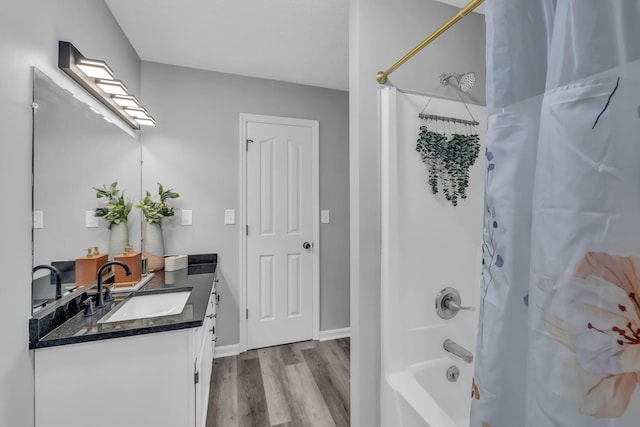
{"x": 306, "y": 245}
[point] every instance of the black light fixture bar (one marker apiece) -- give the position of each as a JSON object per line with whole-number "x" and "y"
{"x": 68, "y": 58}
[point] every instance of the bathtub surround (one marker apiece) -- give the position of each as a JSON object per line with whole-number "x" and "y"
{"x": 560, "y": 315}
{"x": 418, "y": 344}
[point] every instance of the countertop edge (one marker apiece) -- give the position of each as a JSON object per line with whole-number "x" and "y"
{"x": 117, "y": 334}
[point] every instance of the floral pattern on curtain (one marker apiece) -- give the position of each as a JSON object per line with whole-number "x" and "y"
{"x": 559, "y": 335}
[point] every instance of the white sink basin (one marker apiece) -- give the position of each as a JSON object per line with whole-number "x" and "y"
{"x": 145, "y": 306}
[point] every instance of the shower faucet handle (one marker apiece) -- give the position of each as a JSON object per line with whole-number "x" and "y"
{"x": 455, "y": 306}
{"x": 449, "y": 303}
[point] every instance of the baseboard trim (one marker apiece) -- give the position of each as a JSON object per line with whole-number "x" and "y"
{"x": 234, "y": 349}
{"x": 334, "y": 334}
{"x": 226, "y": 350}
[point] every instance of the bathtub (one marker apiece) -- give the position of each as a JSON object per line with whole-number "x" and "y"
{"x": 426, "y": 398}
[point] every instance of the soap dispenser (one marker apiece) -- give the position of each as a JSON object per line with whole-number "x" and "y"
{"x": 133, "y": 261}
{"x": 87, "y": 266}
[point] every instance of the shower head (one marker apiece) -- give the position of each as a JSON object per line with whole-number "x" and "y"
{"x": 465, "y": 82}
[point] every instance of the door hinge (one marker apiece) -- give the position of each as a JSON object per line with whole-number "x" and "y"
{"x": 249, "y": 141}
{"x": 246, "y": 313}
{"x": 247, "y": 230}
{"x": 196, "y": 377}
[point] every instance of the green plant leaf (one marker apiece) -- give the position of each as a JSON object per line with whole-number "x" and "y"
{"x": 154, "y": 210}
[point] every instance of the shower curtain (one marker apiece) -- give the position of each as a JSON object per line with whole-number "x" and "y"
{"x": 559, "y": 335}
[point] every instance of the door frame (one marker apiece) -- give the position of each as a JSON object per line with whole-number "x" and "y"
{"x": 314, "y": 125}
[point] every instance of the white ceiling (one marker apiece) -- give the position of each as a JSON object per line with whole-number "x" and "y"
{"x": 462, "y": 3}
{"x": 299, "y": 41}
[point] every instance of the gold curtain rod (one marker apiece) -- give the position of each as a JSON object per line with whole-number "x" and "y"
{"x": 382, "y": 75}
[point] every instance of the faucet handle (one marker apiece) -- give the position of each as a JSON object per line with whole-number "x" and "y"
{"x": 88, "y": 307}
{"x": 450, "y": 303}
{"x": 108, "y": 296}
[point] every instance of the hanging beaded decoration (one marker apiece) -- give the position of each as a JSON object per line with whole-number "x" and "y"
{"x": 449, "y": 147}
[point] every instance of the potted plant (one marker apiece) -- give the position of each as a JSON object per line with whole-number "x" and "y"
{"x": 154, "y": 210}
{"x": 115, "y": 210}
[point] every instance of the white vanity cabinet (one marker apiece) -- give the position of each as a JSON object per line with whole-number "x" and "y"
{"x": 158, "y": 379}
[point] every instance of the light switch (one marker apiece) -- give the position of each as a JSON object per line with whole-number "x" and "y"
{"x": 324, "y": 216}
{"x": 187, "y": 217}
{"x": 90, "y": 219}
{"x": 230, "y": 216}
{"x": 38, "y": 219}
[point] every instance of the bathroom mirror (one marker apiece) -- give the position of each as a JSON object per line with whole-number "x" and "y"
{"x": 75, "y": 148}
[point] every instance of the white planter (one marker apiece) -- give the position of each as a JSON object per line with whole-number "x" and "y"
{"x": 118, "y": 239}
{"x": 153, "y": 246}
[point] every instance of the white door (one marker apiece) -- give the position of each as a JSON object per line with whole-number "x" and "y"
{"x": 280, "y": 219}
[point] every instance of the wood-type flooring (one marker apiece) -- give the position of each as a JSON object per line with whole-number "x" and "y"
{"x": 304, "y": 384}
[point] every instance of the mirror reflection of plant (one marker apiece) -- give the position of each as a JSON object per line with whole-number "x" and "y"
{"x": 449, "y": 161}
{"x": 154, "y": 210}
{"x": 117, "y": 207}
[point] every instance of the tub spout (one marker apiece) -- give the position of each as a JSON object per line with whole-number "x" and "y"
{"x": 450, "y": 346}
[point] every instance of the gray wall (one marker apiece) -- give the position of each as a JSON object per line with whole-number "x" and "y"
{"x": 29, "y": 34}
{"x": 195, "y": 150}
{"x": 380, "y": 33}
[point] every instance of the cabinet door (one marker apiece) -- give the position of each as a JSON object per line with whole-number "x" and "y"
{"x": 203, "y": 365}
{"x": 200, "y": 366}
{"x": 143, "y": 380}
{"x": 207, "y": 367}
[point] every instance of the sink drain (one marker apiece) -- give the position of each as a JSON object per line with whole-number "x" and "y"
{"x": 453, "y": 373}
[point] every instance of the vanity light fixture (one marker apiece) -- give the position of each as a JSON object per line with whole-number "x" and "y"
{"x": 137, "y": 113}
{"x": 126, "y": 101}
{"x": 112, "y": 87}
{"x": 95, "y": 68}
{"x": 96, "y": 77}
{"x": 146, "y": 122}
{"x": 141, "y": 116}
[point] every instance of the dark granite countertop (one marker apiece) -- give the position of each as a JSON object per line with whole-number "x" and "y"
{"x": 75, "y": 328}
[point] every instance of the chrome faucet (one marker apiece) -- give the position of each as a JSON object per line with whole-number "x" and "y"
{"x": 58, "y": 277}
{"x": 100, "y": 299}
{"x": 450, "y": 346}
